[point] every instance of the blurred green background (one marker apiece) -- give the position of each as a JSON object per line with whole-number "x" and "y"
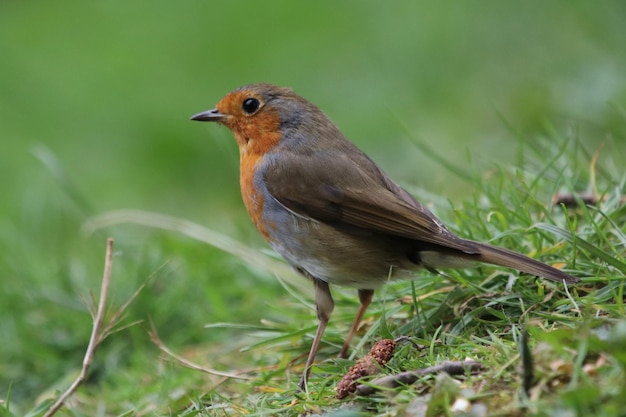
{"x": 95, "y": 99}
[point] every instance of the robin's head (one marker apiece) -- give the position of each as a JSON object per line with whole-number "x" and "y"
{"x": 260, "y": 114}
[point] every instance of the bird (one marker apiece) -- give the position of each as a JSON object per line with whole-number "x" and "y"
{"x": 331, "y": 212}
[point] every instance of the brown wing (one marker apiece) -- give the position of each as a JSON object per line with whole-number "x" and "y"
{"x": 351, "y": 193}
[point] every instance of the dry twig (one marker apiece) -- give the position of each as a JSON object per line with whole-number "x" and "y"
{"x": 409, "y": 377}
{"x": 97, "y": 336}
{"x": 187, "y": 363}
{"x": 100, "y": 329}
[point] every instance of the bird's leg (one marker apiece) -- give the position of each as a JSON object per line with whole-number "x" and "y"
{"x": 324, "y": 305}
{"x": 365, "y": 297}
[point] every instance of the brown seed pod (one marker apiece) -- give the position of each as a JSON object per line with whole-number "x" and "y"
{"x": 370, "y": 364}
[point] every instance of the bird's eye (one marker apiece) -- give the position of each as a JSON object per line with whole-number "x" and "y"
{"x": 250, "y": 105}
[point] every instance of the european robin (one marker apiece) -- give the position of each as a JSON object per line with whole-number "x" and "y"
{"x": 331, "y": 212}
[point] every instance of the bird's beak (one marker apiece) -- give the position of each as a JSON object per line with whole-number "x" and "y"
{"x": 208, "y": 116}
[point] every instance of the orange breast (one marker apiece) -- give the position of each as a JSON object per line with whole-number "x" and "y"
{"x": 250, "y": 163}
{"x": 253, "y": 198}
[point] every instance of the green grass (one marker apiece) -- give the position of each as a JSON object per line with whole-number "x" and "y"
{"x": 94, "y": 119}
{"x": 576, "y": 335}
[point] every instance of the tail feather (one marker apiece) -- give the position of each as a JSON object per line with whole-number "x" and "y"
{"x": 503, "y": 257}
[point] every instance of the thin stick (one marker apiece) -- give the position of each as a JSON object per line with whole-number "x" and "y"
{"x": 188, "y": 364}
{"x": 409, "y": 377}
{"x": 95, "y": 339}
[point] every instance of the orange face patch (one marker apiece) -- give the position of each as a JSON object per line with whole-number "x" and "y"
{"x": 255, "y": 133}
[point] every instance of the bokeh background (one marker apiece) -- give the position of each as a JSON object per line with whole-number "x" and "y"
{"x": 95, "y": 99}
